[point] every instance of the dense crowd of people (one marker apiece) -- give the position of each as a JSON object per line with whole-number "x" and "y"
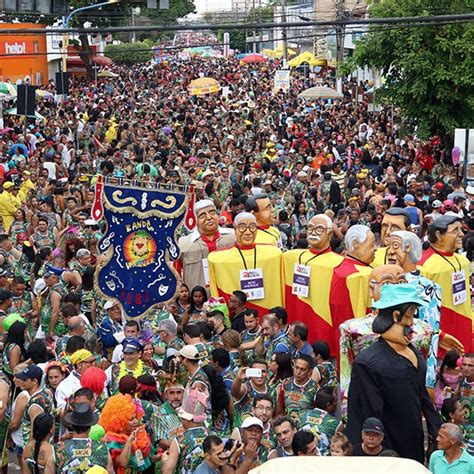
{"x": 206, "y": 383}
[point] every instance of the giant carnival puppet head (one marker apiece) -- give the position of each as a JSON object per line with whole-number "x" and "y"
{"x": 245, "y": 225}
{"x": 395, "y": 218}
{"x": 445, "y": 234}
{"x": 319, "y": 232}
{"x": 261, "y": 207}
{"x": 404, "y": 249}
{"x": 382, "y": 275}
{"x": 360, "y": 243}
{"x": 207, "y": 218}
{"x": 397, "y": 307}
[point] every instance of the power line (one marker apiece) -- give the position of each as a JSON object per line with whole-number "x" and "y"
{"x": 217, "y": 44}
{"x": 466, "y": 17}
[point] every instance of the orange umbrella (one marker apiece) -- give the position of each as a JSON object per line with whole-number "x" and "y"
{"x": 254, "y": 58}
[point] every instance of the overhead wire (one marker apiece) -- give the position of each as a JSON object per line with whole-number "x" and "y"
{"x": 217, "y": 44}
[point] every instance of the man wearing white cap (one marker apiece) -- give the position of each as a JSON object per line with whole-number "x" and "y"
{"x": 255, "y": 453}
{"x": 111, "y": 329}
{"x": 206, "y": 237}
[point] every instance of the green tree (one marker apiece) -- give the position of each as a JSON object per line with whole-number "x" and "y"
{"x": 129, "y": 53}
{"x": 428, "y": 70}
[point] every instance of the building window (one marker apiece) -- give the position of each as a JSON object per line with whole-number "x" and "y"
{"x": 35, "y": 46}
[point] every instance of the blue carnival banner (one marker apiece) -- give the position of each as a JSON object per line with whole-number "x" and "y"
{"x": 139, "y": 245}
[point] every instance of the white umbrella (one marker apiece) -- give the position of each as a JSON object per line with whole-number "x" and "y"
{"x": 106, "y": 73}
{"x": 14, "y": 112}
{"x": 320, "y": 92}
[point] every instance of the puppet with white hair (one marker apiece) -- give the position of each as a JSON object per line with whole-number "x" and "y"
{"x": 248, "y": 266}
{"x": 196, "y": 247}
{"x": 405, "y": 249}
{"x": 308, "y": 275}
{"x": 349, "y": 295}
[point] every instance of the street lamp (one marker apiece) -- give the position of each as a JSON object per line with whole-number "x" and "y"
{"x": 67, "y": 19}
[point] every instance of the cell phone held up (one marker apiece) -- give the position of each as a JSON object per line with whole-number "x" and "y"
{"x": 253, "y": 373}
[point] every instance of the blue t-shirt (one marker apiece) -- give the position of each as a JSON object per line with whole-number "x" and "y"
{"x": 204, "y": 468}
{"x": 463, "y": 465}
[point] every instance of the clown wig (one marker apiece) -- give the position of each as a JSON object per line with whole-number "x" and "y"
{"x": 94, "y": 379}
{"x": 118, "y": 411}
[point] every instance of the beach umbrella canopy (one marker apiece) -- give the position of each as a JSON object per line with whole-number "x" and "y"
{"x": 203, "y": 86}
{"x": 7, "y": 88}
{"x": 42, "y": 94}
{"x": 106, "y": 73}
{"x": 14, "y": 112}
{"x": 320, "y": 92}
{"x": 254, "y": 58}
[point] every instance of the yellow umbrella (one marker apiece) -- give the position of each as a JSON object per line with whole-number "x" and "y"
{"x": 268, "y": 52}
{"x": 203, "y": 85}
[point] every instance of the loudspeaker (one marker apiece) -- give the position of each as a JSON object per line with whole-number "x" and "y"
{"x": 26, "y": 100}
{"x": 62, "y": 83}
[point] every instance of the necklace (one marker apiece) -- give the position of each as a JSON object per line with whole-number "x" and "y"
{"x": 124, "y": 371}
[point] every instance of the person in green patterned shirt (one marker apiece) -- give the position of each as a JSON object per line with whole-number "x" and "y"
{"x": 297, "y": 394}
{"x": 41, "y": 399}
{"x": 80, "y": 452}
{"x": 185, "y": 453}
{"x": 320, "y": 420}
{"x": 244, "y": 390}
{"x": 51, "y": 324}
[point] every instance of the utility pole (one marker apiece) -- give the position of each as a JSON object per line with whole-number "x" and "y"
{"x": 284, "y": 35}
{"x": 340, "y": 35}
{"x": 135, "y": 11}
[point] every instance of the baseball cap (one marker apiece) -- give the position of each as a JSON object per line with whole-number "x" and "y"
{"x": 252, "y": 421}
{"x": 409, "y": 198}
{"x": 436, "y": 204}
{"x": 110, "y": 304}
{"x": 30, "y": 372}
{"x": 469, "y": 189}
{"x": 189, "y": 351}
{"x": 4, "y": 295}
{"x": 373, "y": 425}
{"x": 131, "y": 345}
{"x": 12, "y": 319}
{"x": 448, "y": 204}
{"x": 7, "y": 185}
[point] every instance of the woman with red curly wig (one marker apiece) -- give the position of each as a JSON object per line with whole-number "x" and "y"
{"x": 127, "y": 439}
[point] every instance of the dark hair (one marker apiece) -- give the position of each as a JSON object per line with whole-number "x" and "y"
{"x": 251, "y": 312}
{"x": 192, "y": 330}
{"x": 16, "y": 335}
{"x": 399, "y": 211}
{"x": 209, "y": 442}
{"x": 306, "y": 358}
{"x": 221, "y": 357}
{"x": 206, "y": 332}
{"x": 72, "y": 298}
{"x": 241, "y": 296}
{"x": 264, "y": 397}
{"x": 37, "y": 351}
{"x": 219, "y": 395}
{"x": 384, "y": 320}
{"x": 283, "y": 419}
{"x": 300, "y": 329}
{"x": 68, "y": 310}
{"x": 18, "y": 280}
{"x": 132, "y": 324}
{"x": 88, "y": 279}
{"x": 217, "y": 313}
{"x": 450, "y": 360}
{"x": 324, "y": 397}
{"x": 441, "y": 224}
{"x": 42, "y": 425}
{"x": 280, "y": 313}
{"x": 321, "y": 348}
{"x": 84, "y": 392}
{"x": 285, "y": 368}
{"x": 251, "y": 202}
{"x": 196, "y": 289}
{"x": 448, "y": 407}
{"x": 40, "y": 258}
{"x": 259, "y": 361}
{"x": 301, "y": 439}
{"x": 75, "y": 343}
